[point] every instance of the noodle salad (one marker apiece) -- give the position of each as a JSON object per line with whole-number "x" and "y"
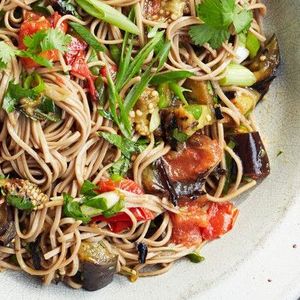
{"x": 126, "y": 131}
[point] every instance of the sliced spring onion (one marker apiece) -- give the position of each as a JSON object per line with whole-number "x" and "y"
{"x": 114, "y": 209}
{"x": 241, "y": 54}
{"x": 164, "y": 95}
{"x": 179, "y": 135}
{"x": 252, "y": 44}
{"x": 195, "y": 257}
{"x": 137, "y": 62}
{"x": 237, "y": 75}
{"x": 178, "y": 91}
{"x": 86, "y": 35}
{"x": 102, "y": 11}
{"x": 170, "y": 76}
{"x": 195, "y": 110}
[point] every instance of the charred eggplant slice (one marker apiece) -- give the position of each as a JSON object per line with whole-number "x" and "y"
{"x": 250, "y": 149}
{"x": 265, "y": 64}
{"x": 183, "y": 173}
{"x": 7, "y": 225}
{"x": 97, "y": 264}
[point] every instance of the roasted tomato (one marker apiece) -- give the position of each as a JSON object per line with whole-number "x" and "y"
{"x": 222, "y": 217}
{"x": 187, "y": 225}
{"x": 75, "y": 57}
{"x": 122, "y": 221}
{"x": 201, "y": 220}
{"x": 183, "y": 173}
{"x": 32, "y": 24}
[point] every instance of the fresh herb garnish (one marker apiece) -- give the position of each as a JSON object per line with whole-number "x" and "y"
{"x": 195, "y": 257}
{"x": 169, "y": 76}
{"x": 7, "y": 53}
{"x": 72, "y": 209}
{"x": 218, "y": 16}
{"x": 179, "y": 135}
{"x": 88, "y": 189}
{"x": 86, "y": 35}
{"x": 127, "y": 148}
{"x": 21, "y": 203}
{"x": 29, "y": 101}
{"x": 37, "y": 43}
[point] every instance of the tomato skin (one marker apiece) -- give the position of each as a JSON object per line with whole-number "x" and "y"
{"x": 188, "y": 223}
{"x": 201, "y": 220}
{"x": 32, "y": 24}
{"x": 130, "y": 186}
{"x": 54, "y": 19}
{"x": 106, "y": 185}
{"x": 222, "y": 217}
{"x": 122, "y": 221}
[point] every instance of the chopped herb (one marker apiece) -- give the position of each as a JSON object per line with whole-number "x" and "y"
{"x": 7, "y": 53}
{"x": 279, "y": 153}
{"x": 88, "y": 189}
{"x": 217, "y": 16}
{"x": 195, "y": 110}
{"x": 19, "y": 202}
{"x": 179, "y": 136}
{"x": 121, "y": 166}
{"x": 72, "y": 209}
{"x": 195, "y": 257}
{"x": 178, "y": 91}
{"x": 169, "y": 76}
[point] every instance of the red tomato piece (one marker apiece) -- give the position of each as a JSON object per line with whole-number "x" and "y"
{"x": 32, "y": 24}
{"x": 200, "y": 154}
{"x": 54, "y": 19}
{"x": 199, "y": 220}
{"x": 130, "y": 186}
{"x": 222, "y": 217}
{"x": 188, "y": 223}
{"x": 106, "y": 185}
{"x": 122, "y": 221}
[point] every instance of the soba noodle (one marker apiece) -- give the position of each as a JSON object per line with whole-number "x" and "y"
{"x": 60, "y": 156}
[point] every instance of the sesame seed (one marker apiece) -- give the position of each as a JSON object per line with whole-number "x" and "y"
{"x": 132, "y": 114}
{"x": 138, "y": 113}
{"x": 154, "y": 93}
{"x": 263, "y": 58}
{"x": 174, "y": 17}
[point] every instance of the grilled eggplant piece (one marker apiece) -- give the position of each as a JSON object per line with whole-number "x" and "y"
{"x": 97, "y": 264}
{"x": 184, "y": 172}
{"x": 200, "y": 92}
{"x": 64, "y": 7}
{"x": 7, "y": 225}
{"x": 265, "y": 64}
{"x": 23, "y": 194}
{"x": 180, "y": 119}
{"x": 250, "y": 149}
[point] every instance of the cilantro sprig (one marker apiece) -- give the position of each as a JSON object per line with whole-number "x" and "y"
{"x": 36, "y": 44}
{"x": 218, "y": 17}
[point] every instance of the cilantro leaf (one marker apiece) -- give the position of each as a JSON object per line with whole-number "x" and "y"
{"x": 55, "y": 39}
{"x": 88, "y": 189}
{"x": 7, "y": 53}
{"x": 216, "y": 13}
{"x": 33, "y": 42}
{"x": 242, "y": 20}
{"x": 202, "y": 34}
{"x": 38, "y": 59}
{"x": 218, "y": 16}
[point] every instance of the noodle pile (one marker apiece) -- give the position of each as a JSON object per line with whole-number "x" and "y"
{"x": 59, "y": 156}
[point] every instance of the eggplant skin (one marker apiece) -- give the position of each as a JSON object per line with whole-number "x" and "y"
{"x": 265, "y": 64}
{"x": 97, "y": 265}
{"x": 7, "y": 225}
{"x": 96, "y": 277}
{"x": 250, "y": 149}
